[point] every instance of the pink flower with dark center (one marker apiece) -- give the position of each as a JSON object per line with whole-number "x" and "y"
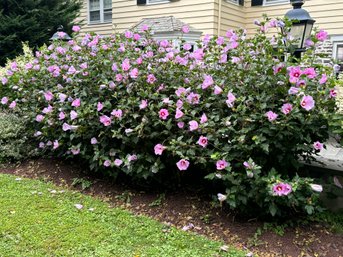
{"x": 163, "y": 113}
{"x": 222, "y": 164}
{"x": 181, "y": 91}
{"x": 99, "y": 106}
{"x": 76, "y": 103}
{"x": 322, "y": 35}
{"x": 159, "y": 149}
{"x": 105, "y": 120}
{"x": 119, "y": 77}
{"x": 107, "y": 163}
{"x": 286, "y": 108}
{"x": 117, "y": 113}
{"x": 333, "y": 93}
{"x": 151, "y": 79}
{"x": 178, "y": 114}
{"x": 203, "y": 141}
{"x": 294, "y": 74}
{"x": 301, "y": 83}
{"x": 182, "y": 164}
{"x": 203, "y": 118}
{"x": 271, "y": 115}
{"x": 282, "y": 189}
{"x": 193, "y": 98}
{"x": 318, "y": 146}
{"x": 73, "y": 115}
{"x": 307, "y": 102}
{"x": 193, "y": 125}
{"x": 323, "y": 79}
{"x": 143, "y": 104}
{"x": 310, "y": 72}
{"x": 136, "y": 36}
{"x": 39, "y": 118}
{"x": 118, "y": 162}
{"x": 4, "y": 100}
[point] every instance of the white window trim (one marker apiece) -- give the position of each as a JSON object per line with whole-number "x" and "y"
{"x": 102, "y": 10}
{"x": 276, "y": 2}
{"x": 152, "y": 3}
{"x": 336, "y": 40}
{"x": 235, "y": 2}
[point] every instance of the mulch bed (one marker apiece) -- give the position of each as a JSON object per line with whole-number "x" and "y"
{"x": 185, "y": 208}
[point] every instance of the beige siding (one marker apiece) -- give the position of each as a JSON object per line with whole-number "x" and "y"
{"x": 327, "y": 13}
{"x": 204, "y": 15}
{"x": 197, "y": 13}
{"x": 232, "y": 17}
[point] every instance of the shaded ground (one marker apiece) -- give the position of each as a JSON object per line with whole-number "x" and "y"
{"x": 186, "y": 208}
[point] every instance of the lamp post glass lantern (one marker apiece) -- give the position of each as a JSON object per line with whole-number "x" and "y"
{"x": 60, "y": 35}
{"x": 301, "y": 27}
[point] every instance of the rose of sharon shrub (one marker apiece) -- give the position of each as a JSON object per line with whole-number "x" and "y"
{"x": 232, "y": 108}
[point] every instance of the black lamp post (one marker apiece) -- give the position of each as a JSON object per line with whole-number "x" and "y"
{"x": 301, "y": 27}
{"x": 60, "y": 35}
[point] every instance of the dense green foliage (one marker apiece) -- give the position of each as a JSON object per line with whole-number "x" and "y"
{"x": 15, "y": 143}
{"x": 39, "y": 219}
{"x": 32, "y": 21}
{"x": 233, "y": 110}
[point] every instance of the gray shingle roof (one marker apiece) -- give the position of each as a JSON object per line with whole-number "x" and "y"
{"x": 162, "y": 24}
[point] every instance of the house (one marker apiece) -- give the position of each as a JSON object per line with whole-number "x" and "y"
{"x": 211, "y": 16}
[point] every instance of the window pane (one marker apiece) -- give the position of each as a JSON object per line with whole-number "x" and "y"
{"x": 157, "y": 1}
{"x": 340, "y": 52}
{"x": 233, "y": 1}
{"x": 94, "y": 5}
{"x": 275, "y": 1}
{"x": 107, "y": 4}
{"x": 94, "y": 16}
{"x": 108, "y": 15}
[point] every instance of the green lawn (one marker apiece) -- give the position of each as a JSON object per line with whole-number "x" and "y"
{"x": 39, "y": 219}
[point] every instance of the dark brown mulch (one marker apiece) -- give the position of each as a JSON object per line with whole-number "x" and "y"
{"x": 183, "y": 208}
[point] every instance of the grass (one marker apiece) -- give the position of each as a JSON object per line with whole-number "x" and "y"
{"x": 39, "y": 219}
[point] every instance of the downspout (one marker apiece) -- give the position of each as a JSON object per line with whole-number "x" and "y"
{"x": 219, "y": 17}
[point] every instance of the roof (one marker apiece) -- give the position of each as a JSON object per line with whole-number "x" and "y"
{"x": 163, "y": 24}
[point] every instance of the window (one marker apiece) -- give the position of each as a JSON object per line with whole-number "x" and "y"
{"x": 339, "y": 52}
{"x": 232, "y": 1}
{"x": 157, "y": 1}
{"x": 100, "y": 11}
{"x": 272, "y": 2}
